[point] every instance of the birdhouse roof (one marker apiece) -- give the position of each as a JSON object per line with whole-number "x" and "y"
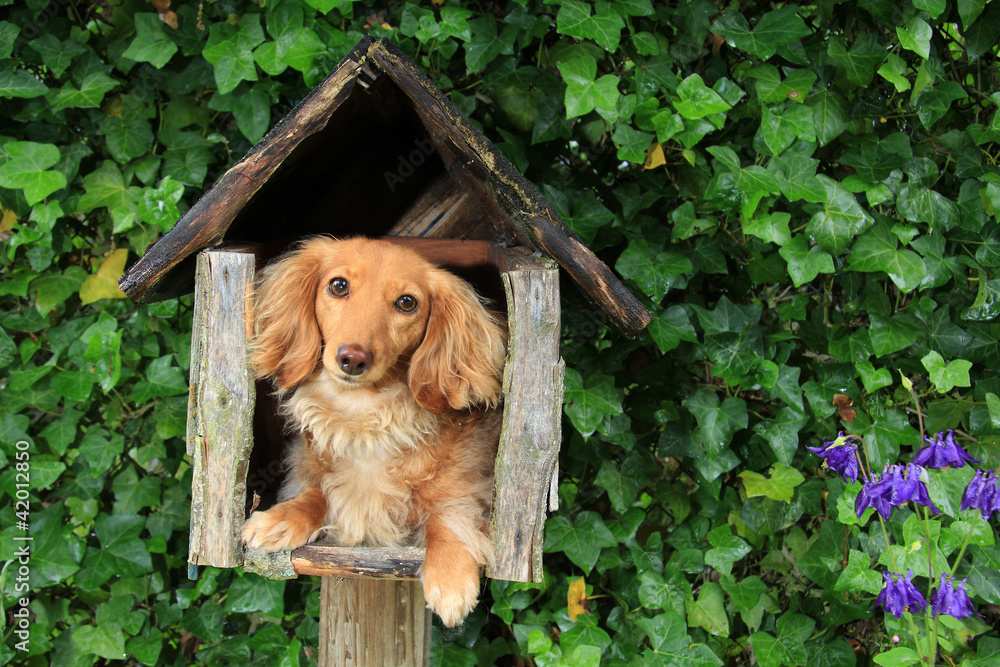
{"x": 375, "y": 149}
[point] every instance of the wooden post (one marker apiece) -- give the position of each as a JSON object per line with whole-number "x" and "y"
{"x": 373, "y": 623}
{"x": 531, "y": 434}
{"x": 220, "y": 407}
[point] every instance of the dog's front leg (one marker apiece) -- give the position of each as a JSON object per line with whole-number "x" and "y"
{"x": 289, "y": 524}
{"x": 455, "y": 549}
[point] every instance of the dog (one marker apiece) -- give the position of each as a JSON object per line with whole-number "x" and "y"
{"x": 389, "y": 371}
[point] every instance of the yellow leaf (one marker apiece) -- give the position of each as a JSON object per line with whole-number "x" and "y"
{"x": 437, "y": 2}
{"x": 8, "y": 220}
{"x": 654, "y": 156}
{"x": 576, "y": 598}
{"x": 104, "y": 283}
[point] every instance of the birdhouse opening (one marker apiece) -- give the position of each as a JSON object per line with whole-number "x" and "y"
{"x": 374, "y": 168}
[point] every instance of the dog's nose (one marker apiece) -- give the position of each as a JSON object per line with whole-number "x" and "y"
{"x": 353, "y": 359}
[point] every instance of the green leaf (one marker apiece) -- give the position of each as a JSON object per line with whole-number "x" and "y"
{"x": 782, "y": 434}
{"x": 901, "y": 656}
{"x": 671, "y": 327}
{"x": 670, "y": 645}
{"x": 585, "y": 92}
{"x": 775, "y": 29}
{"x": 106, "y": 640}
{"x": 487, "y": 42}
{"x": 127, "y": 139}
{"x": 861, "y": 60}
{"x": 780, "y": 127}
{"x": 947, "y": 376}
{"x": 696, "y": 100}
{"x": 605, "y": 27}
{"x": 54, "y": 288}
{"x": 708, "y": 611}
{"x": 727, "y": 550}
{"x": 788, "y": 648}
{"x": 151, "y": 44}
{"x": 655, "y": 272}
{"x": 746, "y": 593}
{"x": 859, "y": 576}
{"x": 253, "y": 593}
{"x": 840, "y": 219}
{"x": 805, "y": 262}
{"x": 121, "y": 553}
{"x": 830, "y": 115}
{"x": 969, "y": 11}
{"x": 916, "y": 36}
{"x": 877, "y": 250}
{"x": 230, "y": 51}
{"x": 106, "y": 187}
{"x": 779, "y": 486}
{"x": 716, "y": 422}
{"x": 57, "y": 54}
{"x": 589, "y": 403}
{"x": 893, "y": 70}
{"x": 27, "y": 168}
{"x": 92, "y": 89}
{"x": 17, "y": 83}
{"x": 581, "y": 540}
{"x": 162, "y": 378}
{"x": 632, "y": 143}
{"x": 934, "y": 102}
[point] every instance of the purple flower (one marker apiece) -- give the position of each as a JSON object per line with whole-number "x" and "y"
{"x": 899, "y": 595}
{"x": 983, "y": 494}
{"x": 943, "y": 452}
{"x": 876, "y": 493}
{"x": 952, "y": 599}
{"x": 897, "y": 485}
{"x": 907, "y": 486}
{"x": 840, "y": 456}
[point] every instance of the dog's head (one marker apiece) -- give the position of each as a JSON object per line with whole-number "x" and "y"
{"x": 370, "y": 312}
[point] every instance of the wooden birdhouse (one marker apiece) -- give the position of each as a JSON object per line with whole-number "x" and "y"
{"x": 375, "y": 150}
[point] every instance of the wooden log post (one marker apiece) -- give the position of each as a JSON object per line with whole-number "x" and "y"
{"x": 373, "y": 623}
{"x": 220, "y": 407}
{"x": 525, "y": 473}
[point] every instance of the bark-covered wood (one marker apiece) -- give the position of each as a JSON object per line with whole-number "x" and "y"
{"x": 311, "y": 175}
{"x": 220, "y": 411}
{"x": 363, "y": 562}
{"x": 373, "y": 623}
{"x": 209, "y": 219}
{"x": 513, "y": 204}
{"x": 531, "y": 433}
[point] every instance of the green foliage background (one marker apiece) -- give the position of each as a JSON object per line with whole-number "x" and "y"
{"x": 817, "y": 219}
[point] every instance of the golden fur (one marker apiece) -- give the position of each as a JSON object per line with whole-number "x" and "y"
{"x": 396, "y": 409}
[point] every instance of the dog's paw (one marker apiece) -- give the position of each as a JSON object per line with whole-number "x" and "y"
{"x": 277, "y": 530}
{"x": 449, "y": 594}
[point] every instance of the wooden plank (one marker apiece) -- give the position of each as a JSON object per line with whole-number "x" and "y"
{"x": 366, "y": 562}
{"x": 449, "y": 252}
{"x": 532, "y": 419}
{"x": 221, "y": 403}
{"x": 373, "y": 623}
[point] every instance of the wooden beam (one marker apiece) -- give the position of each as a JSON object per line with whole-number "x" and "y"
{"x": 532, "y": 418}
{"x": 367, "y": 562}
{"x": 208, "y": 220}
{"x": 373, "y": 623}
{"x": 220, "y": 407}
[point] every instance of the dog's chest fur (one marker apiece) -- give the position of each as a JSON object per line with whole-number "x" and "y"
{"x": 366, "y": 449}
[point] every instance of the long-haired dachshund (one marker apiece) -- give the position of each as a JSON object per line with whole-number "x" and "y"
{"x": 389, "y": 370}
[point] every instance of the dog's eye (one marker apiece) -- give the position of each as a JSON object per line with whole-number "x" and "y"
{"x": 339, "y": 287}
{"x": 406, "y": 304}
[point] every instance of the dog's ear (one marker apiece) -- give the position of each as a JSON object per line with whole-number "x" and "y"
{"x": 460, "y": 361}
{"x": 287, "y": 342}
